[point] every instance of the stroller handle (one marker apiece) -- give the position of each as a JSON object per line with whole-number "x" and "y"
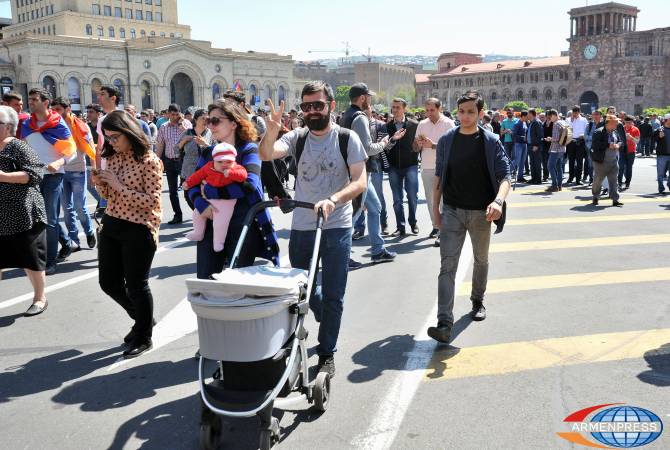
{"x": 286, "y": 206}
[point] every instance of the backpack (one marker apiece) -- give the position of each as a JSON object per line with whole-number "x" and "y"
{"x": 343, "y": 140}
{"x": 566, "y": 134}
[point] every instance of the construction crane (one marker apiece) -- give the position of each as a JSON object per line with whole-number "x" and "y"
{"x": 346, "y": 50}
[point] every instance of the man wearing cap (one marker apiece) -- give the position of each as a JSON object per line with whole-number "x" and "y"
{"x": 661, "y": 141}
{"x": 355, "y": 119}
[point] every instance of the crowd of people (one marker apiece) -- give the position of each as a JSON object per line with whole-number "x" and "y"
{"x": 225, "y": 159}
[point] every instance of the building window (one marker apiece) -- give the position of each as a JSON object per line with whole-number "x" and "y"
{"x": 95, "y": 9}
{"x": 118, "y": 83}
{"x": 111, "y": 32}
{"x": 49, "y": 84}
{"x": 148, "y": 16}
{"x": 117, "y": 12}
{"x": 145, "y": 91}
{"x": 158, "y": 17}
{"x": 100, "y": 31}
{"x": 148, "y": 2}
{"x": 533, "y": 94}
{"x": 548, "y": 95}
{"x": 564, "y": 94}
{"x": 107, "y": 10}
{"x": 96, "y": 84}
{"x": 122, "y": 33}
{"x": 132, "y": 33}
{"x": 138, "y": 14}
{"x": 637, "y": 110}
{"x": 578, "y": 74}
{"x": 143, "y": 33}
{"x": 650, "y": 50}
{"x": 639, "y": 71}
{"x": 129, "y": 13}
{"x": 601, "y": 73}
{"x": 89, "y": 30}
{"x": 51, "y": 8}
{"x": 494, "y": 96}
{"x": 162, "y": 33}
{"x": 158, "y": 2}
{"x": 639, "y": 90}
{"x": 519, "y": 94}
{"x": 152, "y": 34}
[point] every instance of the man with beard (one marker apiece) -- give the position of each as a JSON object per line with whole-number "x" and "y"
{"x": 325, "y": 178}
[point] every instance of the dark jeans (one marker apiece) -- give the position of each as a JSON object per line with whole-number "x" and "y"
{"x": 327, "y": 300}
{"x": 407, "y": 178}
{"x": 51, "y": 189}
{"x": 576, "y": 155}
{"x": 626, "y": 161}
{"x": 509, "y": 149}
{"x": 209, "y": 262}
{"x": 535, "y": 163}
{"x": 545, "y": 160}
{"x": 172, "y": 173}
{"x": 645, "y": 146}
{"x": 125, "y": 253}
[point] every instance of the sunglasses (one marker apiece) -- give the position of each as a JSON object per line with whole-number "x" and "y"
{"x": 214, "y": 121}
{"x": 317, "y": 106}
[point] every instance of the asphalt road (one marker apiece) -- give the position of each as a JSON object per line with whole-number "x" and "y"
{"x": 578, "y": 315}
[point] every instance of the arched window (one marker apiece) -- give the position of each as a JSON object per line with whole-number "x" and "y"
{"x": 564, "y": 94}
{"x": 548, "y": 95}
{"x": 111, "y": 32}
{"x": 96, "y": 84}
{"x": 49, "y": 84}
{"x": 74, "y": 93}
{"x": 145, "y": 90}
{"x": 143, "y": 33}
{"x": 216, "y": 91}
{"x": 118, "y": 83}
{"x": 519, "y": 94}
{"x": 267, "y": 92}
{"x": 101, "y": 32}
{"x": 133, "y": 35}
{"x": 253, "y": 95}
{"x": 122, "y": 33}
{"x": 494, "y": 96}
{"x": 281, "y": 94}
{"x": 533, "y": 94}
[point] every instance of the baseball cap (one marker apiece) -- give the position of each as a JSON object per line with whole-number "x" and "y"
{"x": 666, "y": 117}
{"x": 359, "y": 89}
{"x": 224, "y": 152}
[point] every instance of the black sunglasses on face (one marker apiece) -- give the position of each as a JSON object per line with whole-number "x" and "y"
{"x": 317, "y": 106}
{"x": 215, "y": 120}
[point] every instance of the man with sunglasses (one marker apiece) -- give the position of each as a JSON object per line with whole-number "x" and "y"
{"x": 168, "y": 137}
{"x": 327, "y": 180}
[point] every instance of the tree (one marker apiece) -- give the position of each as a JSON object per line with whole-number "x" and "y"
{"x": 517, "y": 105}
{"x": 658, "y": 111}
{"x": 342, "y": 97}
{"x": 406, "y": 92}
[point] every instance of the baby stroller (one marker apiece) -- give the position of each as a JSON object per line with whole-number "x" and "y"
{"x": 251, "y": 321}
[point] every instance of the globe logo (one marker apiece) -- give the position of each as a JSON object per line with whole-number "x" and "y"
{"x": 628, "y": 427}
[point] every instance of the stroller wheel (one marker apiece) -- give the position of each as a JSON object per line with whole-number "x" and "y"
{"x": 268, "y": 439}
{"x": 322, "y": 391}
{"x": 210, "y": 436}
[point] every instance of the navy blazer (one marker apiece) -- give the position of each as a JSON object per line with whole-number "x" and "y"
{"x": 536, "y": 133}
{"x": 497, "y": 163}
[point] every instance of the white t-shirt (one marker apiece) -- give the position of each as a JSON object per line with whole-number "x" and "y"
{"x": 433, "y": 131}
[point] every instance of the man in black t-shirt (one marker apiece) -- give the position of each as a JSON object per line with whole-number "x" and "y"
{"x": 473, "y": 194}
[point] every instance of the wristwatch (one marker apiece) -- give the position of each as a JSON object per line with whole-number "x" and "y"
{"x": 333, "y": 199}
{"x": 499, "y": 201}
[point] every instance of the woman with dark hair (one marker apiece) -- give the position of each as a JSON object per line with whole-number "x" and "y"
{"x": 132, "y": 184}
{"x": 191, "y": 144}
{"x": 23, "y": 238}
{"x": 230, "y": 124}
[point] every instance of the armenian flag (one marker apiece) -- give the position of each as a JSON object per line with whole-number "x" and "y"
{"x": 55, "y": 131}
{"x": 81, "y": 135}
{"x": 237, "y": 86}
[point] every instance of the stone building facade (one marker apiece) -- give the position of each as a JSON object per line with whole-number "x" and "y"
{"x": 609, "y": 63}
{"x": 150, "y": 71}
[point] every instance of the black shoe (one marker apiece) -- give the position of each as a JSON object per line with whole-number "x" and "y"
{"x": 175, "y": 220}
{"x": 627, "y": 185}
{"x": 521, "y": 180}
{"x": 385, "y": 230}
{"x": 353, "y": 265}
{"x": 50, "y": 270}
{"x": 137, "y": 348}
{"x": 617, "y": 203}
{"x": 384, "y": 256}
{"x": 437, "y": 241}
{"x": 594, "y": 202}
{"x": 327, "y": 364}
{"x": 434, "y": 233}
{"x": 35, "y": 310}
{"x": 441, "y": 333}
{"x": 478, "y": 312}
{"x": 91, "y": 241}
{"x": 130, "y": 337}
{"x": 64, "y": 253}
{"x": 569, "y": 181}
{"x": 579, "y": 183}
{"x": 357, "y": 235}
{"x": 545, "y": 179}
{"x": 415, "y": 229}
{"x": 398, "y": 233}
{"x": 603, "y": 192}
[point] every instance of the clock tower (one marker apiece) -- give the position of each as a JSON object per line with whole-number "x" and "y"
{"x": 596, "y": 39}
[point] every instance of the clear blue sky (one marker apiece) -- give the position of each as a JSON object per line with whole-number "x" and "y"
{"x": 426, "y": 27}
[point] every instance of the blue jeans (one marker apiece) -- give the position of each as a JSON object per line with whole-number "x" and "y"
{"x": 556, "y": 169}
{"x": 327, "y": 299}
{"x": 626, "y": 161}
{"x": 520, "y": 154}
{"x": 662, "y": 167}
{"x": 52, "y": 188}
{"x": 378, "y": 182}
{"x": 73, "y": 199}
{"x": 373, "y": 206}
{"x": 409, "y": 179}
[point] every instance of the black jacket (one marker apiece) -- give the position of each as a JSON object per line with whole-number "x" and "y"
{"x": 536, "y": 133}
{"x": 599, "y": 145}
{"x": 661, "y": 147}
{"x": 401, "y": 155}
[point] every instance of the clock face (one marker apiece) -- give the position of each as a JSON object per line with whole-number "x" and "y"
{"x": 590, "y": 51}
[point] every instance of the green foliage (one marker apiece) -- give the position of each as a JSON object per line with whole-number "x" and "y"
{"x": 658, "y": 111}
{"x": 380, "y": 108}
{"x": 517, "y": 105}
{"x": 603, "y": 110}
{"x": 420, "y": 110}
{"x": 342, "y": 97}
{"x": 406, "y": 92}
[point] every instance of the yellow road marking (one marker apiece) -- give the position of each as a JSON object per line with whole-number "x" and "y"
{"x": 499, "y": 359}
{"x": 503, "y": 285}
{"x": 513, "y": 204}
{"x": 589, "y": 218}
{"x": 609, "y": 241}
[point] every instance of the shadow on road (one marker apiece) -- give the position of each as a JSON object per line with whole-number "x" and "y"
{"x": 165, "y": 272}
{"x": 391, "y": 354}
{"x": 9, "y": 320}
{"x": 659, "y": 365}
{"x": 50, "y": 372}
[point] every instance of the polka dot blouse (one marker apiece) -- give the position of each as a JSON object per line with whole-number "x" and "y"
{"x": 139, "y": 201}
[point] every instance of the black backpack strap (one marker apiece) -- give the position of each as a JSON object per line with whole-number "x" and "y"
{"x": 343, "y": 140}
{"x": 300, "y": 144}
